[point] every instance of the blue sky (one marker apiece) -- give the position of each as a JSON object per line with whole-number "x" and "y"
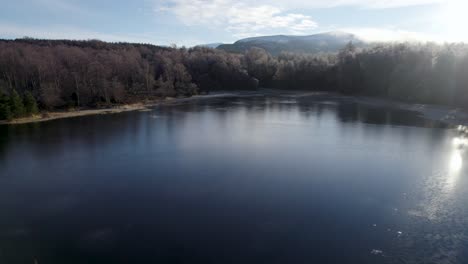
{"x": 191, "y": 22}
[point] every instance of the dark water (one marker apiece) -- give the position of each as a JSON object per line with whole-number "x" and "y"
{"x": 240, "y": 179}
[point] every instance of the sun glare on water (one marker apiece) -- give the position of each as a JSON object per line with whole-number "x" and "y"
{"x": 456, "y": 162}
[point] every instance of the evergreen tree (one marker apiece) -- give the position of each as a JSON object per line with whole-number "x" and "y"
{"x": 30, "y": 104}
{"x": 16, "y": 105}
{"x": 5, "y": 111}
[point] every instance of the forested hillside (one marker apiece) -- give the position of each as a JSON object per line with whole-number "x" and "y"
{"x": 275, "y": 45}
{"x": 61, "y": 74}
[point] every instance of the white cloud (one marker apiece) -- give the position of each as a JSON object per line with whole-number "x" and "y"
{"x": 212, "y": 6}
{"x": 239, "y": 18}
{"x": 377, "y": 4}
{"x": 247, "y": 18}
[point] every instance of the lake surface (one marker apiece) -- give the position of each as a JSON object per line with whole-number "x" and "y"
{"x": 245, "y": 178}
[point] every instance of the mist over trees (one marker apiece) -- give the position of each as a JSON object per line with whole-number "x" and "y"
{"x": 422, "y": 73}
{"x": 64, "y": 74}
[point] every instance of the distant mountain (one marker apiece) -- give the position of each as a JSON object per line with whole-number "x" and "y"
{"x": 323, "y": 42}
{"x": 210, "y": 45}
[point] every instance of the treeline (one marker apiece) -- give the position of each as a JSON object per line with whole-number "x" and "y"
{"x": 13, "y": 106}
{"x": 92, "y": 73}
{"x": 60, "y": 74}
{"x": 422, "y": 73}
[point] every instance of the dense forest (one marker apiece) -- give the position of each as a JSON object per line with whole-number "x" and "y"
{"x": 57, "y": 74}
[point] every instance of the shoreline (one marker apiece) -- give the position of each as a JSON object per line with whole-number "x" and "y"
{"x": 454, "y": 116}
{"x": 53, "y": 115}
{"x": 445, "y": 114}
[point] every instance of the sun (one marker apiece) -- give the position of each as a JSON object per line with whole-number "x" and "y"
{"x": 454, "y": 19}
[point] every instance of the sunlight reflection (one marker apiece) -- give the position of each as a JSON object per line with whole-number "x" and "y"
{"x": 459, "y": 142}
{"x": 455, "y": 165}
{"x": 441, "y": 186}
{"x": 456, "y": 162}
{"x": 461, "y": 128}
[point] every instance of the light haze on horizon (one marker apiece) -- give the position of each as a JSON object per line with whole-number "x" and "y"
{"x": 192, "y": 22}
